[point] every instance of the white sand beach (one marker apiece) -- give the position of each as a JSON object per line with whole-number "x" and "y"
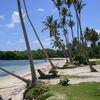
{"x": 14, "y": 88}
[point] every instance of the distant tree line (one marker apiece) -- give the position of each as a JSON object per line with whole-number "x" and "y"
{"x": 38, "y": 54}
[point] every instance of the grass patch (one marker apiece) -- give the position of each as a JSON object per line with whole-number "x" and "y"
{"x": 68, "y": 66}
{"x": 82, "y": 91}
{"x": 75, "y": 76}
{"x": 95, "y": 62}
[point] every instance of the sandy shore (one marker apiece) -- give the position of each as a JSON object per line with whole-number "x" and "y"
{"x": 14, "y": 88}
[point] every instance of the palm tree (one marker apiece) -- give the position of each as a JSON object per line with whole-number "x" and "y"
{"x": 64, "y": 13}
{"x": 33, "y": 73}
{"x": 71, "y": 24}
{"x": 81, "y": 34}
{"x": 91, "y": 35}
{"x": 52, "y": 65}
{"x": 52, "y": 25}
{"x": 58, "y": 4}
{"x": 21, "y": 78}
{"x": 79, "y": 8}
{"x": 80, "y": 5}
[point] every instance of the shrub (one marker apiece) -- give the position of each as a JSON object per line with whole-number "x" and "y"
{"x": 64, "y": 81}
{"x": 54, "y": 72}
{"x": 93, "y": 62}
{"x": 80, "y": 59}
{"x": 35, "y": 92}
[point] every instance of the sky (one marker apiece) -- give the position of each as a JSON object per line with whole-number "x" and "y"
{"x": 11, "y": 35}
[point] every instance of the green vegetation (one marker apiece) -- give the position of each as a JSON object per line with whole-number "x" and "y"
{"x": 38, "y": 54}
{"x": 54, "y": 72}
{"x": 74, "y": 76}
{"x": 37, "y": 92}
{"x": 64, "y": 81}
{"x": 80, "y": 59}
{"x": 95, "y": 62}
{"x": 82, "y": 91}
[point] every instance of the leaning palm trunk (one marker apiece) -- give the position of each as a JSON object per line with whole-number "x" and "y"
{"x": 33, "y": 74}
{"x": 71, "y": 28}
{"x": 62, "y": 48}
{"x": 52, "y": 65}
{"x": 72, "y": 32}
{"x": 69, "y": 50}
{"x": 18, "y": 77}
{"x": 85, "y": 53}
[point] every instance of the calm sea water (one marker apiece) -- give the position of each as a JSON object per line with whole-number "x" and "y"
{"x": 18, "y": 66}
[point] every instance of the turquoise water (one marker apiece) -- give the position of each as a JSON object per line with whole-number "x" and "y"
{"x": 18, "y": 66}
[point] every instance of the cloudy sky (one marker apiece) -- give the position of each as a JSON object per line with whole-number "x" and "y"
{"x": 11, "y": 36}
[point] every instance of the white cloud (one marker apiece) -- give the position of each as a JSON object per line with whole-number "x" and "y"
{"x": 14, "y": 19}
{"x": 1, "y": 17}
{"x": 41, "y": 9}
{"x": 21, "y": 41}
{"x": 98, "y": 31}
{"x": 54, "y": 10}
{"x": 10, "y": 43}
{"x": 11, "y": 25}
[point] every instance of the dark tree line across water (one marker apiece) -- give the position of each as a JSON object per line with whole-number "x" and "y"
{"x": 38, "y": 54}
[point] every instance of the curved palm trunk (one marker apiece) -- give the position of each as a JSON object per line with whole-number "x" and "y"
{"x": 71, "y": 27}
{"x": 72, "y": 32}
{"x": 69, "y": 51}
{"x": 21, "y": 78}
{"x": 85, "y": 53}
{"x": 78, "y": 32}
{"x": 52, "y": 65}
{"x": 63, "y": 50}
{"x": 33, "y": 74}
{"x": 66, "y": 53}
{"x": 70, "y": 55}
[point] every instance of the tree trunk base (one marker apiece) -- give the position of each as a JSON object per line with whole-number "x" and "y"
{"x": 41, "y": 73}
{"x": 93, "y": 69}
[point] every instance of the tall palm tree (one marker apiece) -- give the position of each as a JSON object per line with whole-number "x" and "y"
{"x": 58, "y": 4}
{"x": 80, "y": 6}
{"x": 52, "y": 25}
{"x": 17, "y": 76}
{"x": 52, "y": 65}
{"x": 33, "y": 73}
{"x": 64, "y": 13}
{"x": 71, "y": 25}
{"x": 81, "y": 34}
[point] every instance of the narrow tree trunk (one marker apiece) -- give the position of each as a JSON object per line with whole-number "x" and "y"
{"x": 69, "y": 52}
{"x": 21, "y": 78}
{"x": 85, "y": 53}
{"x": 70, "y": 55}
{"x": 33, "y": 74}
{"x": 72, "y": 33}
{"x": 78, "y": 32}
{"x": 52, "y": 65}
{"x": 71, "y": 27}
